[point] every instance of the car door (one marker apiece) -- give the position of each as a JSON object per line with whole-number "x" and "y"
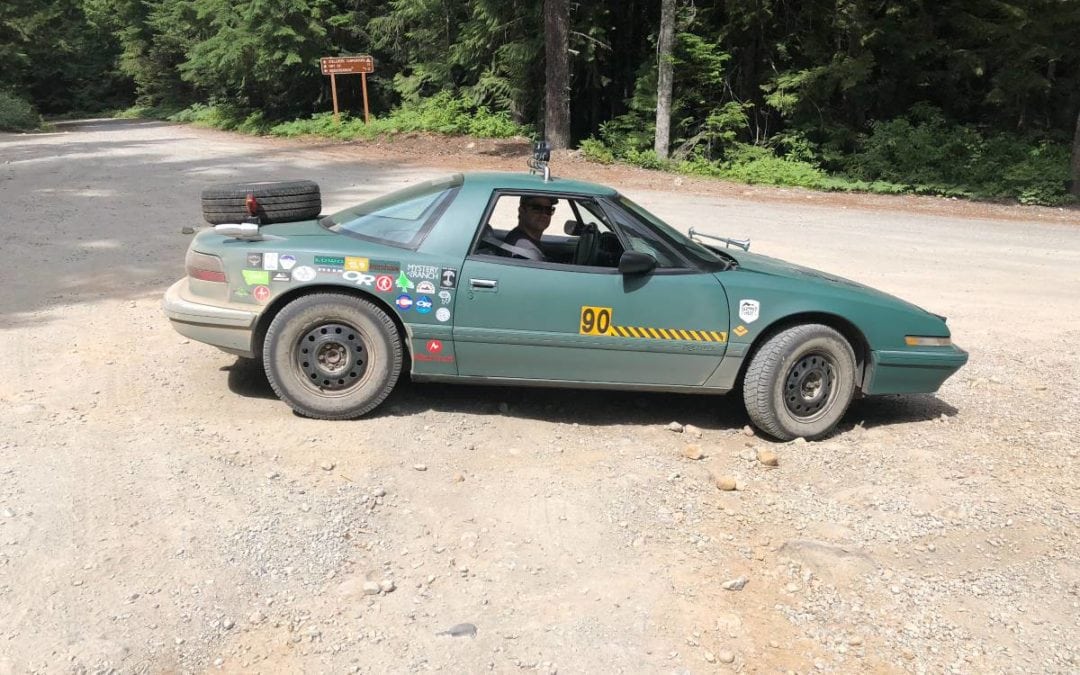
{"x": 559, "y": 322}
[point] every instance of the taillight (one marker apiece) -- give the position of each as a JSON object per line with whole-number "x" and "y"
{"x": 204, "y": 267}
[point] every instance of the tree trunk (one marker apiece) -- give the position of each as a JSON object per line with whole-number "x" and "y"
{"x": 557, "y": 62}
{"x": 666, "y": 79}
{"x": 1076, "y": 159}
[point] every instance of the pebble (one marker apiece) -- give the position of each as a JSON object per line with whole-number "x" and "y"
{"x": 725, "y": 656}
{"x": 273, "y": 474}
{"x": 386, "y": 586}
{"x": 692, "y": 430}
{"x": 326, "y": 465}
{"x": 710, "y": 657}
{"x": 676, "y": 427}
{"x": 748, "y": 430}
{"x": 378, "y": 492}
{"x": 736, "y": 584}
{"x": 187, "y": 229}
{"x": 460, "y": 630}
{"x": 692, "y": 451}
{"x": 8, "y": 513}
{"x": 256, "y": 617}
{"x": 372, "y": 588}
{"x": 228, "y": 624}
{"x": 458, "y": 478}
{"x": 767, "y": 457}
{"x": 725, "y": 483}
{"x": 420, "y": 467}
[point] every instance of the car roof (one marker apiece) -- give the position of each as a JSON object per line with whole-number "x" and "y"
{"x": 505, "y": 180}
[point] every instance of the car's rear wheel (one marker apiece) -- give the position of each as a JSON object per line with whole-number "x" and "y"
{"x": 332, "y": 356}
{"x": 800, "y": 383}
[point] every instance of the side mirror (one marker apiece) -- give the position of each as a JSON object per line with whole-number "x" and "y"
{"x": 635, "y": 262}
{"x": 572, "y": 228}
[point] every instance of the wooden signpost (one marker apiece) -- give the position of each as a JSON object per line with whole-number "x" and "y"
{"x": 347, "y": 65}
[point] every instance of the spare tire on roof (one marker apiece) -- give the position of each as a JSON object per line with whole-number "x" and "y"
{"x": 274, "y": 201}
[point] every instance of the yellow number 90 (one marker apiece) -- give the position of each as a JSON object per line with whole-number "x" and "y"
{"x": 595, "y": 320}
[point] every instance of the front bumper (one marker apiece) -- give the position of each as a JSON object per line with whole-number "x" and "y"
{"x": 913, "y": 371}
{"x": 226, "y": 328}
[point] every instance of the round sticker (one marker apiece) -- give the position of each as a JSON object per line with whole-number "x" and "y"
{"x": 404, "y": 302}
{"x": 261, "y": 293}
{"x": 424, "y": 304}
{"x": 384, "y": 283}
{"x": 303, "y": 273}
{"x": 442, "y": 314}
{"x": 444, "y": 297}
{"x": 434, "y": 346}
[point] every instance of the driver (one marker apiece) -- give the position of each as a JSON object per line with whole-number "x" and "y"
{"x": 534, "y": 216}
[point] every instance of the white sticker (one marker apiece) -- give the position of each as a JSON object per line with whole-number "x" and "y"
{"x": 444, "y": 297}
{"x": 422, "y": 271}
{"x": 442, "y": 314}
{"x": 749, "y": 310}
{"x": 287, "y": 261}
{"x": 358, "y": 278}
{"x": 425, "y": 287}
{"x": 270, "y": 261}
{"x": 303, "y": 273}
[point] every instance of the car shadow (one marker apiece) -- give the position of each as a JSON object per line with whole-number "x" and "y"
{"x": 591, "y": 407}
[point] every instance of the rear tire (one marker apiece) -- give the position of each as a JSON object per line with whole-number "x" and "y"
{"x": 332, "y": 356}
{"x": 278, "y": 201}
{"x": 800, "y": 383}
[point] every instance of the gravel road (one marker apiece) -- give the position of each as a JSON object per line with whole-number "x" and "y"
{"x": 161, "y": 510}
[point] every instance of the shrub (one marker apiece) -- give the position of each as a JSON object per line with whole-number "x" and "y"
{"x": 17, "y": 114}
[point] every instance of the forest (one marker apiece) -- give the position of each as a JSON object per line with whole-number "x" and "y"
{"x": 964, "y": 98}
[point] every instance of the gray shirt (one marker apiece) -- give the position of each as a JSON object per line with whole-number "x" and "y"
{"x": 517, "y": 237}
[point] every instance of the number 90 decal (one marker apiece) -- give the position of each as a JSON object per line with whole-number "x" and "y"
{"x": 595, "y": 320}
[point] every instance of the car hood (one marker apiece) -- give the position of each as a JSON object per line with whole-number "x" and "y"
{"x": 761, "y": 264}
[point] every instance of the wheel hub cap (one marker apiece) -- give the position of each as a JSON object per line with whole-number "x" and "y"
{"x": 809, "y": 385}
{"x": 332, "y": 356}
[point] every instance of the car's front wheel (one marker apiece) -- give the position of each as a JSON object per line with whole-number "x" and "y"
{"x": 800, "y": 382}
{"x": 332, "y": 356}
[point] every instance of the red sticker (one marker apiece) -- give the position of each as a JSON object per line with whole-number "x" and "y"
{"x": 434, "y": 346}
{"x": 384, "y": 283}
{"x": 261, "y": 293}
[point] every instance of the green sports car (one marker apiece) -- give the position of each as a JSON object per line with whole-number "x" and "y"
{"x": 463, "y": 280}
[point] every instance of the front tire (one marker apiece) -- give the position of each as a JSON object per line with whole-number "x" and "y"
{"x": 331, "y": 356}
{"x": 800, "y": 383}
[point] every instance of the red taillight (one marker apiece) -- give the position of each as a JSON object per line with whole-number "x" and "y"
{"x": 251, "y": 204}
{"x": 204, "y": 267}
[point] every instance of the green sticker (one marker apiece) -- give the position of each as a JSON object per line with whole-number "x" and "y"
{"x": 328, "y": 260}
{"x": 403, "y": 282}
{"x": 256, "y": 277}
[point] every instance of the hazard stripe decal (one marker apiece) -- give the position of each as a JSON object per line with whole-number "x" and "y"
{"x": 650, "y": 333}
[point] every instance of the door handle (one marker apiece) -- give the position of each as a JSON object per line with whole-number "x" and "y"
{"x": 486, "y": 284}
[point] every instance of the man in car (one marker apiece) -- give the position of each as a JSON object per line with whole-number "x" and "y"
{"x": 534, "y": 216}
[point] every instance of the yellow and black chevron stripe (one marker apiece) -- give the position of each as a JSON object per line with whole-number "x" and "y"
{"x": 667, "y": 333}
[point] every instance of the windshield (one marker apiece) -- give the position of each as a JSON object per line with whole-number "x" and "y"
{"x": 689, "y": 248}
{"x": 400, "y": 218}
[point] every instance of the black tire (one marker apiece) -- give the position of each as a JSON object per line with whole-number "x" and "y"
{"x": 353, "y": 358}
{"x": 278, "y": 201}
{"x": 800, "y": 383}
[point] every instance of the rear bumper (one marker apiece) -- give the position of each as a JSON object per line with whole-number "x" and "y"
{"x": 226, "y": 328}
{"x": 911, "y": 371}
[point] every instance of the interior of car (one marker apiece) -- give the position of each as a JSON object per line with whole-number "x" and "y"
{"x": 578, "y": 233}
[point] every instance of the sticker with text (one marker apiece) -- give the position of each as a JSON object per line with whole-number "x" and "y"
{"x": 595, "y": 320}
{"x": 749, "y": 310}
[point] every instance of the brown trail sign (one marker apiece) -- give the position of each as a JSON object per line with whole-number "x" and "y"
{"x": 347, "y": 65}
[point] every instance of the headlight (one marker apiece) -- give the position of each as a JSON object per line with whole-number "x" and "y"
{"x": 922, "y": 341}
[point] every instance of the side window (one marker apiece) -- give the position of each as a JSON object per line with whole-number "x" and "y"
{"x": 643, "y": 240}
{"x": 544, "y": 228}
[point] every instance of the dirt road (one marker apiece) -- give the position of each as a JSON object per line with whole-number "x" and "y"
{"x": 160, "y": 510}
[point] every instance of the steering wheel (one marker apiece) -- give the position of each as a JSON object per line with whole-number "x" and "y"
{"x": 587, "y": 245}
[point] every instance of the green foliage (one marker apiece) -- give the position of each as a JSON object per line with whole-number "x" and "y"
{"x": 594, "y": 150}
{"x": 17, "y": 114}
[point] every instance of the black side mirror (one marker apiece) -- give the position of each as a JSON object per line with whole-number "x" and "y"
{"x": 572, "y": 228}
{"x": 635, "y": 262}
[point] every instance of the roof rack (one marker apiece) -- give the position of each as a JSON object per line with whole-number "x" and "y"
{"x": 539, "y": 161}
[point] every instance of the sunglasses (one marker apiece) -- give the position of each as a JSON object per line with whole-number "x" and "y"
{"x": 540, "y": 208}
